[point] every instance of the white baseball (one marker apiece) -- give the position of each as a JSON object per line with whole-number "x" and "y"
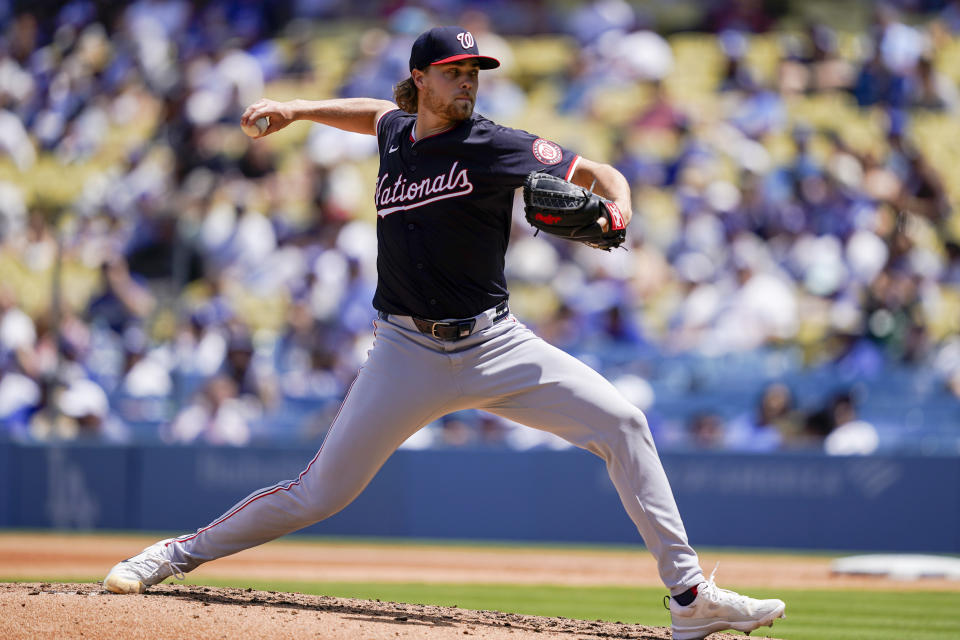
{"x": 257, "y": 128}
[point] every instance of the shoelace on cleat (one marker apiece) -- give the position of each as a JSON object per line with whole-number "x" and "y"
{"x": 176, "y": 572}
{"x": 722, "y": 595}
{"x": 714, "y": 592}
{"x": 159, "y": 563}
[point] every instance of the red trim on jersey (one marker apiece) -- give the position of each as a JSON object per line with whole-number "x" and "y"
{"x": 573, "y": 168}
{"x": 280, "y": 488}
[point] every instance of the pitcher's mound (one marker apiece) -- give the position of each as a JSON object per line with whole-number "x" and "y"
{"x": 187, "y": 611}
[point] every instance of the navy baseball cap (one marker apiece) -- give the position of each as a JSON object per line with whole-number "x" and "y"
{"x": 447, "y": 44}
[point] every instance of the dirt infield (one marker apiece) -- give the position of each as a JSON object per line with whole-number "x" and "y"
{"x": 174, "y": 611}
{"x": 71, "y": 610}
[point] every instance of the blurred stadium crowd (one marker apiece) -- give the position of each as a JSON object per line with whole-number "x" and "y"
{"x": 792, "y": 281}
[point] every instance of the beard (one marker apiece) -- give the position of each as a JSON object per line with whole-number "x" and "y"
{"x": 453, "y": 110}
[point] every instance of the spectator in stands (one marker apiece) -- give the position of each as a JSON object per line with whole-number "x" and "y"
{"x": 923, "y": 190}
{"x": 564, "y": 328}
{"x": 932, "y": 90}
{"x": 707, "y": 432}
{"x": 769, "y": 426}
{"x": 590, "y": 20}
{"x": 456, "y": 430}
{"x": 661, "y": 113}
{"x": 814, "y": 64}
{"x": 36, "y": 246}
{"x": 836, "y": 428}
{"x": 300, "y": 64}
{"x": 877, "y": 85}
{"x": 901, "y": 46}
{"x": 736, "y": 75}
{"x": 491, "y": 430}
{"x": 217, "y": 415}
{"x": 948, "y": 16}
{"x": 122, "y": 300}
{"x": 619, "y": 327}
{"x": 953, "y": 383}
{"x": 20, "y": 398}
{"x": 848, "y": 249}
{"x": 952, "y": 268}
{"x": 200, "y": 345}
{"x": 849, "y": 435}
{"x": 743, "y": 15}
{"x": 308, "y": 358}
{"x": 81, "y": 412}
{"x": 254, "y": 381}
{"x": 18, "y": 333}
{"x": 146, "y": 371}
{"x": 582, "y": 78}
{"x": 370, "y": 74}
{"x": 760, "y": 112}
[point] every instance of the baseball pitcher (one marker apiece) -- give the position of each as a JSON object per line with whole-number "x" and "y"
{"x": 445, "y": 339}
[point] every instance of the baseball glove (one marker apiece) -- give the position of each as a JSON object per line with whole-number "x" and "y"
{"x": 569, "y": 211}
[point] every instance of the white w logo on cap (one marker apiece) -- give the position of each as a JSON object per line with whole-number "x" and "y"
{"x": 466, "y": 39}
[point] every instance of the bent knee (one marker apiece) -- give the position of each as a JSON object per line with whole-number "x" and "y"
{"x": 623, "y": 429}
{"x": 636, "y": 426}
{"x": 324, "y": 498}
{"x": 323, "y": 509}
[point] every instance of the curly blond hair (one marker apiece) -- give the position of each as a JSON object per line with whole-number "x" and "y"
{"x": 406, "y": 94}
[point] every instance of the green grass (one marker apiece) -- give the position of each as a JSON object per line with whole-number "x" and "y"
{"x": 811, "y": 614}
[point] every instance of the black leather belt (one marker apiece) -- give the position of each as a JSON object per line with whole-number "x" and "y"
{"x": 449, "y": 331}
{"x": 455, "y": 329}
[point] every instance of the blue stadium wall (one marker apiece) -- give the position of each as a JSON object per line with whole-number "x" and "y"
{"x": 774, "y": 501}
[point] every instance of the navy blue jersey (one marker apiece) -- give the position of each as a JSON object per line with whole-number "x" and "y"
{"x": 444, "y": 208}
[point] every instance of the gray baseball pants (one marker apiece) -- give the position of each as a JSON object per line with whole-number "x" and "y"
{"x": 411, "y": 379}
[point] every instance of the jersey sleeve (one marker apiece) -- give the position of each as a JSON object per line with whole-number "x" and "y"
{"x": 389, "y": 125}
{"x": 519, "y": 153}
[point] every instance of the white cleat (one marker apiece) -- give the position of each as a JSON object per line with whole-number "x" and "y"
{"x": 149, "y": 567}
{"x": 716, "y": 609}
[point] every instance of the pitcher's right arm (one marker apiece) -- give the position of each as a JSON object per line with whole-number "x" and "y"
{"x": 350, "y": 114}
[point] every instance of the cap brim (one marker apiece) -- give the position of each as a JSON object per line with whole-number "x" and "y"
{"x": 486, "y": 62}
